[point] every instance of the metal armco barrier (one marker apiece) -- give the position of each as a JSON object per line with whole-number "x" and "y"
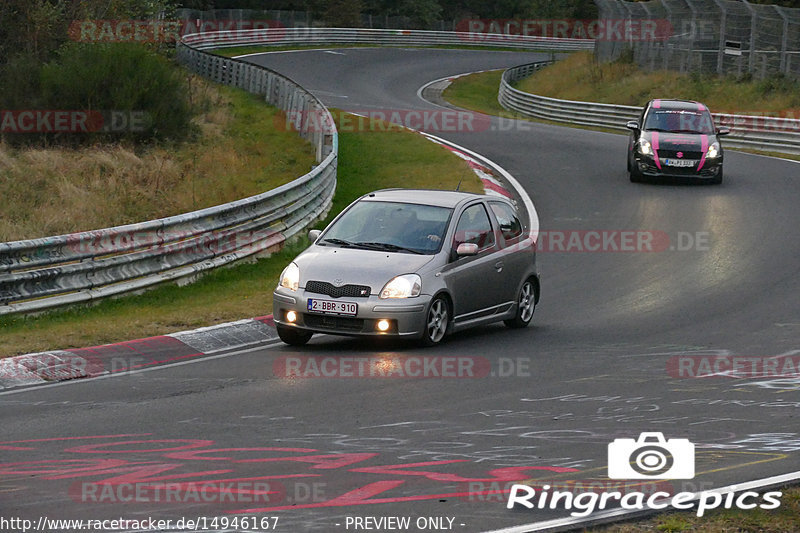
{"x": 771, "y": 134}
{"x": 43, "y": 273}
{"x": 310, "y": 36}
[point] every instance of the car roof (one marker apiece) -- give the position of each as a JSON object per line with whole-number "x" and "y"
{"x": 423, "y": 196}
{"x": 689, "y": 105}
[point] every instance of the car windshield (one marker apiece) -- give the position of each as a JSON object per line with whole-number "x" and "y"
{"x": 390, "y": 226}
{"x": 679, "y": 121}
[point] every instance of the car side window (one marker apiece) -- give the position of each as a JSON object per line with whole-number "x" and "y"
{"x": 474, "y": 227}
{"x": 510, "y": 225}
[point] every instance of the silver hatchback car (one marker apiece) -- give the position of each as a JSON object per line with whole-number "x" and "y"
{"x": 411, "y": 263}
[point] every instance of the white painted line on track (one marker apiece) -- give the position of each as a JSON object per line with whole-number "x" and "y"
{"x": 282, "y": 52}
{"x": 143, "y": 370}
{"x": 447, "y": 78}
{"x": 614, "y": 515}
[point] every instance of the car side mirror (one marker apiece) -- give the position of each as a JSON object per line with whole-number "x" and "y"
{"x": 466, "y": 249}
{"x": 314, "y": 234}
{"x": 723, "y": 130}
{"x": 632, "y": 125}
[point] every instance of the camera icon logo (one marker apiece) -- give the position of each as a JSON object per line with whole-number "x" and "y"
{"x": 651, "y": 457}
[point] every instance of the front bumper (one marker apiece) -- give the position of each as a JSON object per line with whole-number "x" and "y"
{"x": 406, "y": 316}
{"x": 646, "y": 166}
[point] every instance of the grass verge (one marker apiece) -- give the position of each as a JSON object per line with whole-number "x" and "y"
{"x": 368, "y": 160}
{"x": 578, "y": 77}
{"x": 781, "y": 520}
{"x": 241, "y": 148}
{"x": 478, "y": 92}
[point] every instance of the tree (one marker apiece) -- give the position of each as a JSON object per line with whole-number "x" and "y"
{"x": 343, "y": 13}
{"x": 422, "y": 13}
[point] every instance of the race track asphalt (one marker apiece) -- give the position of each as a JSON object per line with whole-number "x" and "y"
{"x": 598, "y": 363}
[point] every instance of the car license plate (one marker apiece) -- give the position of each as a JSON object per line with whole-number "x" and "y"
{"x": 332, "y": 307}
{"x": 679, "y": 162}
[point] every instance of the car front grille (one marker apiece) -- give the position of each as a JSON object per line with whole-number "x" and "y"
{"x": 705, "y": 172}
{"x": 348, "y": 291}
{"x": 334, "y": 322}
{"x": 674, "y": 154}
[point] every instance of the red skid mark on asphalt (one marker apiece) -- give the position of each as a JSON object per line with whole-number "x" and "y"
{"x": 138, "y": 353}
{"x": 362, "y": 497}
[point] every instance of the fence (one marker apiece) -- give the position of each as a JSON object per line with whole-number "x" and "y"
{"x": 43, "y": 273}
{"x": 711, "y": 36}
{"x": 754, "y": 132}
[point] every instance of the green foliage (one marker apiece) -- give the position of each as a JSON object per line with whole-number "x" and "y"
{"x": 570, "y": 9}
{"x": 37, "y": 28}
{"x": 120, "y": 78}
{"x": 626, "y": 56}
{"x": 343, "y": 13}
{"x": 423, "y": 13}
{"x": 778, "y": 83}
{"x": 19, "y": 82}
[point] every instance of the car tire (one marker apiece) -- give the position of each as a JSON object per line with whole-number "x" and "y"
{"x": 437, "y": 322}
{"x": 526, "y": 305}
{"x": 292, "y": 336}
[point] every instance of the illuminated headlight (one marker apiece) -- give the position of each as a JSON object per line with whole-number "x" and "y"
{"x": 290, "y": 277}
{"x": 713, "y": 151}
{"x": 645, "y": 148}
{"x": 405, "y": 286}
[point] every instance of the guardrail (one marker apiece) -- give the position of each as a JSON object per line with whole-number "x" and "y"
{"x": 311, "y": 36}
{"x": 43, "y": 273}
{"x": 764, "y": 133}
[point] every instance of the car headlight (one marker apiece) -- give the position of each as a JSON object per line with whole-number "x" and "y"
{"x": 290, "y": 277}
{"x": 713, "y": 151}
{"x": 645, "y": 148}
{"x": 405, "y": 286}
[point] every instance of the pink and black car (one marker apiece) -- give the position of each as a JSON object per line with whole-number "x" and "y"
{"x": 675, "y": 139}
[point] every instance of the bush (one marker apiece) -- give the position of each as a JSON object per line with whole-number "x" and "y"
{"x": 120, "y": 78}
{"x": 19, "y": 82}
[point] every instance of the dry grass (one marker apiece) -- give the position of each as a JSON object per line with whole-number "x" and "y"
{"x": 578, "y": 77}
{"x": 368, "y": 160}
{"x": 238, "y": 152}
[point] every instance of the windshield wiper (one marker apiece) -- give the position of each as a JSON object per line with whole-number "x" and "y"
{"x": 340, "y": 242}
{"x": 388, "y": 246}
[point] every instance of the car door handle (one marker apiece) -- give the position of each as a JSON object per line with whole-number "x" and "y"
{"x": 499, "y": 266}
